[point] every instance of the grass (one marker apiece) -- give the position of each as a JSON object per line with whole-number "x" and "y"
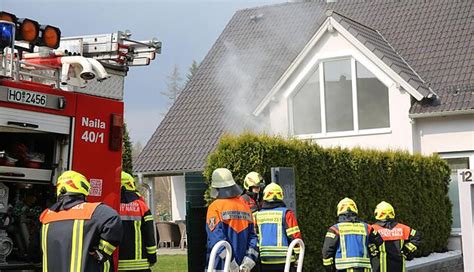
{"x": 172, "y": 263}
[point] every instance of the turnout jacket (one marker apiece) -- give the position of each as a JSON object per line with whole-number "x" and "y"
{"x": 349, "y": 244}
{"x": 230, "y": 220}
{"x": 276, "y": 227}
{"x": 73, "y": 229}
{"x": 138, "y": 248}
{"x": 400, "y": 241}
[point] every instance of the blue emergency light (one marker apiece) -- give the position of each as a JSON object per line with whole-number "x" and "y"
{"x": 7, "y": 33}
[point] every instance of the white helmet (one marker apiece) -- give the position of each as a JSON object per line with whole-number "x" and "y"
{"x": 223, "y": 184}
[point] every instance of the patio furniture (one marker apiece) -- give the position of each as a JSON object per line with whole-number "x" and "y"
{"x": 184, "y": 238}
{"x": 169, "y": 234}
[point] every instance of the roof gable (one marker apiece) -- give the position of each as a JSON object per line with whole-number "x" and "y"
{"x": 371, "y": 43}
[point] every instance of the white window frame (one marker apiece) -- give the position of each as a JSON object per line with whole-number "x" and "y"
{"x": 319, "y": 66}
{"x": 458, "y": 155}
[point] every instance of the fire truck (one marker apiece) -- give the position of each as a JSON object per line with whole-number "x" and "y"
{"x": 61, "y": 108}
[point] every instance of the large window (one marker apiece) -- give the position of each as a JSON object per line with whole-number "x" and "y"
{"x": 348, "y": 98}
{"x": 308, "y": 107}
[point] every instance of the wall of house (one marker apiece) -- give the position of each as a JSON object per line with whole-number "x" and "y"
{"x": 332, "y": 45}
{"x": 444, "y": 134}
{"x": 178, "y": 198}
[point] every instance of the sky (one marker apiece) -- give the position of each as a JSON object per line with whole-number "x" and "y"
{"x": 187, "y": 29}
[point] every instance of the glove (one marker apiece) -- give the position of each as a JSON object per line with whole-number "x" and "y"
{"x": 374, "y": 252}
{"x": 330, "y": 268}
{"x": 247, "y": 264}
{"x": 234, "y": 267}
{"x": 407, "y": 255}
{"x": 98, "y": 256}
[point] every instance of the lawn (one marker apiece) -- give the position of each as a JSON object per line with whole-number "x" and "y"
{"x": 172, "y": 263}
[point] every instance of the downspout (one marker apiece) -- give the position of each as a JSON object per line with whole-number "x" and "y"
{"x": 150, "y": 189}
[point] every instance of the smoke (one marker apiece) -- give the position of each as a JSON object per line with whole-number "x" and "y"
{"x": 238, "y": 80}
{"x": 255, "y": 55}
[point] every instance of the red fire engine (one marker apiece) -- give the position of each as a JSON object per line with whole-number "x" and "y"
{"x": 60, "y": 108}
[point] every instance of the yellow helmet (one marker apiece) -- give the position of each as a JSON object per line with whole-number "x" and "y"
{"x": 128, "y": 182}
{"x": 272, "y": 192}
{"x": 252, "y": 179}
{"x": 384, "y": 211}
{"x": 346, "y": 205}
{"x": 72, "y": 182}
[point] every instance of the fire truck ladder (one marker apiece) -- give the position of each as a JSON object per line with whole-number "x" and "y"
{"x": 86, "y": 55}
{"x": 228, "y": 256}
{"x": 289, "y": 253}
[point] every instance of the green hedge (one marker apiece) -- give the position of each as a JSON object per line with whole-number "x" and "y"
{"x": 415, "y": 185}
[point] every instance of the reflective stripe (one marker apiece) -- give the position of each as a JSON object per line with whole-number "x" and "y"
{"x": 342, "y": 239}
{"x": 44, "y": 246}
{"x": 151, "y": 250}
{"x": 239, "y": 215}
{"x": 274, "y": 254}
{"x": 106, "y": 266}
{"x": 76, "y": 252}
{"x": 410, "y": 247}
{"x": 138, "y": 264}
{"x": 292, "y": 230}
{"x": 412, "y": 232}
{"x": 148, "y": 218}
{"x": 352, "y": 262}
{"x": 106, "y": 247}
{"x": 330, "y": 235}
{"x": 328, "y": 261}
{"x": 131, "y": 217}
{"x": 138, "y": 240}
{"x": 383, "y": 258}
{"x": 279, "y": 234}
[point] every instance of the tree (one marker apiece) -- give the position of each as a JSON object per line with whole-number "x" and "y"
{"x": 127, "y": 164}
{"x": 137, "y": 147}
{"x": 174, "y": 85}
{"x": 192, "y": 71}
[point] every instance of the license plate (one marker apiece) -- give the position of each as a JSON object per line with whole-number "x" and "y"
{"x": 27, "y": 97}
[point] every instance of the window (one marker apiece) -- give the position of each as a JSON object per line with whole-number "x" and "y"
{"x": 338, "y": 95}
{"x": 308, "y": 108}
{"x": 372, "y": 100}
{"x": 349, "y": 99}
{"x": 455, "y": 164}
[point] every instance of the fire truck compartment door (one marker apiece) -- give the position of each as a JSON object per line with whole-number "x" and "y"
{"x": 36, "y": 121}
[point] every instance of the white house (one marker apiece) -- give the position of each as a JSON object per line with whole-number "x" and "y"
{"x": 374, "y": 74}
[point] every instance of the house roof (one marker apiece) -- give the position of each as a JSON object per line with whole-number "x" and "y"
{"x": 428, "y": 43}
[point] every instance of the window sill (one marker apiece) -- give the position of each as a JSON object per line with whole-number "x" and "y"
{"x": 364, "y": 132}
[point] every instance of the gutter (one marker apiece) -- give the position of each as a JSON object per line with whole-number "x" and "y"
{"x": 440, "y": 114}
{"x": 166, "y": 173}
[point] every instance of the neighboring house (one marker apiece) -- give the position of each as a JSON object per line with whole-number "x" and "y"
{"x": 382, "y": 74}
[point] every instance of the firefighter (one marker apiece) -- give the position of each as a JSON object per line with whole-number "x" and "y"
{"x": 138, "y": 248}
{"x": 276, "y": 228}
{"x": 400, "y": 241}
{"x": 253, "y": 183}
{"x": 229, "y": 219}
{"x": 349, "y": 244}
{"x": 77, "y": 235}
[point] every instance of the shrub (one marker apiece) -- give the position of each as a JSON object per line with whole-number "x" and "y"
{"x": 415, "y": 185}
